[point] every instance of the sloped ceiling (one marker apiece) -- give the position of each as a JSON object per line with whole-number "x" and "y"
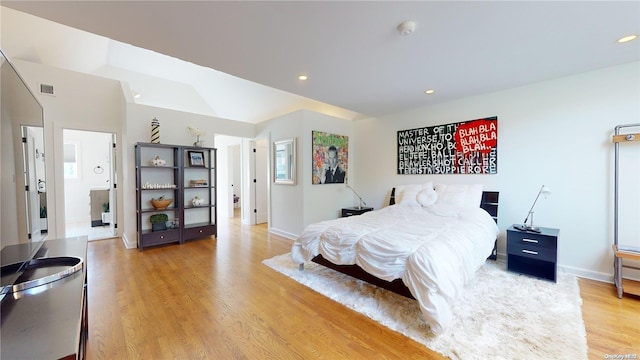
{"x": 247, "y": 55}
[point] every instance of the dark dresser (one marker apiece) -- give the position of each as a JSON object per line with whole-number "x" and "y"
{"x": 533, "y": 253}
{"x": 356, "y": 210}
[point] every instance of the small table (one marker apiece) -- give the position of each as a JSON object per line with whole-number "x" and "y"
{"x": 533, "y": 253}
{"x": 355, "y": 210}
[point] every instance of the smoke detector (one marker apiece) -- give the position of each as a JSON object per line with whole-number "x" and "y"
{"x": 406, "y": 27}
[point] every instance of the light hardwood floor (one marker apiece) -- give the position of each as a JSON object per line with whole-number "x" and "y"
{"x": 213, "y": 299}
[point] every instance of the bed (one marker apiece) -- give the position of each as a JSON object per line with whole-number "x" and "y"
{"x": 427, "y": 244}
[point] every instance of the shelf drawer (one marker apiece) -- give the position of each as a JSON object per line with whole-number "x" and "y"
{"x": 199, "y": 232}
{"x": 536, "y": 241}
{"x": 160, "y": 237}
{"x": 532, "y": 251}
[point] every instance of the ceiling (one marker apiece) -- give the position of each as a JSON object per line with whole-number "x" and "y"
{"x": 357, "y": 63}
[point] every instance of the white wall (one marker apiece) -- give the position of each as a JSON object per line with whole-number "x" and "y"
{"x": 324, "y": 201}
{"x": 556, "y": 133}
{"x": 81, "y": 102}
{"x": 295, "y": 206}
{"x": 286, "y": 204}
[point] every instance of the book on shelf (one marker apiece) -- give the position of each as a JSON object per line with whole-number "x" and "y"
{"x": 196, "y": 183}
{"x": 629, "y": 248}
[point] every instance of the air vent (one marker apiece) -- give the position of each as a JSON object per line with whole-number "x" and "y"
{"x": 46, "y": 89}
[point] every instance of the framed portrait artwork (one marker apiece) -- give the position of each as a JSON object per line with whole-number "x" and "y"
{"x": 330, "y": 158}
{"x": 196, "y": 158}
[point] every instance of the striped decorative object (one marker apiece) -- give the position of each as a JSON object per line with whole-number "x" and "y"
{"x": 155, "y": 131}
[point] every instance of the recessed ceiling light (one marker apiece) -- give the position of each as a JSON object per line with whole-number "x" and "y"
{"x": 302, "y": 77}
{"x": 627, "y": 38}
{"x": 429, "y": 92}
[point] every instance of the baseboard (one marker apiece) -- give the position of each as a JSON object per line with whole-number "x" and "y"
{"x": 127, "y": 243}
{"x": 285, "y": 234}
{"x": 587, "y": 274}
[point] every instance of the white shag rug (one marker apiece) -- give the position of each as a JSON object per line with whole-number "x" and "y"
{"x": 501, "y": 315}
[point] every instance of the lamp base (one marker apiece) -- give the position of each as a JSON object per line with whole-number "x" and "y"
{"x": 527, "y": 228}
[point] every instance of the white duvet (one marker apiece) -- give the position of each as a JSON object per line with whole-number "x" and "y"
{"x": 435, "y": 250}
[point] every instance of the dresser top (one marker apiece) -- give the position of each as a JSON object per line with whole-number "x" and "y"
{"x": 543, "y": 231}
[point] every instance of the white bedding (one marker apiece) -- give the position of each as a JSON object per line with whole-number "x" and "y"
{"x": 435, "y": 250}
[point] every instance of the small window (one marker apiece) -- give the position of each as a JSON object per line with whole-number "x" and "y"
{"x": 70, "y": 161}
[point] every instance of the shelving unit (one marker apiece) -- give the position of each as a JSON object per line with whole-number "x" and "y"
{"x": 200, "y": 181}
{"x": 154, "y": 182}
{"x": 622, "y": 285}
{"x": 173, "y": 180}
{"x": 625, "y": 285}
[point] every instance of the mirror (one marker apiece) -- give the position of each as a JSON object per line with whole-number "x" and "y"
{"x": 284, "y": 164}
{"x": 24, "y": 209}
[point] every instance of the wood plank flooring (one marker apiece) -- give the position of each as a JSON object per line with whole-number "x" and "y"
{"x": 213, "y": 299}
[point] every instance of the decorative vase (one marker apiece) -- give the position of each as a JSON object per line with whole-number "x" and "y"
{"x": 198, "y": 143}
{"x": 155, "y": 131}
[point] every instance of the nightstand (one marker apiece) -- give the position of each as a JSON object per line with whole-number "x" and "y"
{"x": 355, "y": 210}
{"x": 533, "y": 253}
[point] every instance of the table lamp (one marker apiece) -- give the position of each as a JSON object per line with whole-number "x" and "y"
{"x": 524, "y": 227}
{"x": 361, "y": 201}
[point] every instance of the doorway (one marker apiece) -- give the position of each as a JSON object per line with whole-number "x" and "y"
{"x": 243, "y": 178}
{"x": 89, "y": 184}
{"x": 235, "y": 166}
{"x": 260, "y": 181}
{"x": 35, "y": 182}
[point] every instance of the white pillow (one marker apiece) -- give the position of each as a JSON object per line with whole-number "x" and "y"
{"x": 408, "y": 194}
{"x": 427, "y": 197}
{"x": 458, "y": 195}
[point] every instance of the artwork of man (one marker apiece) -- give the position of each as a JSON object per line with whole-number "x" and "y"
{"x": 330, "y": 158}
{"x": 332, "y": 172}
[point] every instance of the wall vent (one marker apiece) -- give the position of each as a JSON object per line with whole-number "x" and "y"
{"x": 46, "y": 89}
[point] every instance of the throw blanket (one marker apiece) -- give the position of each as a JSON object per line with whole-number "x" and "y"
{"x": 435, "y": 250}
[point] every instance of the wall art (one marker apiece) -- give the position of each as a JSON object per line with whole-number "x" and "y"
{"x": 330, "y": 158}
{"x": 468, "y": 147}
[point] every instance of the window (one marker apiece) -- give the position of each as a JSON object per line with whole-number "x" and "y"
{"x": 70, "y": 161}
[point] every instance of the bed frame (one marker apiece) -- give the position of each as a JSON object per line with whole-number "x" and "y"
{"x": 489, "y": 203}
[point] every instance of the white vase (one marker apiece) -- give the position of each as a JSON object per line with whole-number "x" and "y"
{"x": 198, "y": 143}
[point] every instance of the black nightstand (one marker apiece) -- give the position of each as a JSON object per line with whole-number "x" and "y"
{"x": 355, "y": 210}
{"x": 533, "y": 253}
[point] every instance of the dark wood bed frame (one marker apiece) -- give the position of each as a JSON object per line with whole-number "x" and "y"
{"x": 489, "y": 203}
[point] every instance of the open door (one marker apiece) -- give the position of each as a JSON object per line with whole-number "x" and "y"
{"x": 34, "y": 183}
{"x": 258, "y": 169}
{"x": 262, "y": 165}
{"x": 112, "y": 218}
